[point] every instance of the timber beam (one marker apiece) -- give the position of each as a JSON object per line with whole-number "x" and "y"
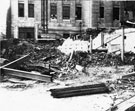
{"x": 8, "y": 70}
{"x": 25, "y": 74}
{"x": 128, "y": 75}
{"x": 16, "y": 62}
{"x": 79, "y": 90}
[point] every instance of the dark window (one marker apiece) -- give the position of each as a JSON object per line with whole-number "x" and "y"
{"x": 115, "y": 13}
{"x": 78, "y": 12}
{"x": 66, "y": 35}
{"x": 30, "y": 10}
{"x": 66, "y": 12}
{"x": 53, "y": 8}
{"x": 21, "y": 9}
{"x": 26, "y": 33}
{"x": 101, "y": 12}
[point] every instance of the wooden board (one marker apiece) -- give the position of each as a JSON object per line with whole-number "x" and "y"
{"x": 124, "y": 106}
{"x": 79, "y": 90}
{"x": 129, "y": 75}
{"x": 24, "y": 74}
{"x": 16, "y": 62}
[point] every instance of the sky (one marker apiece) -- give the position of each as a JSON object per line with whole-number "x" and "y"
{"x": 4, "y": 5}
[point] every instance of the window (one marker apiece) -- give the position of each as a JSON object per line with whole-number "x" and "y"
{"x": 101, "y": 12}
{"x": 66, "y": 35}
{"x": 101, "y": 9}
{"x": 78, "y": 12}
{"x": 66, "y": 12}
{"x": 26, "y": 33}
{"x": 21, "y": 9}
{"x": 115, "y": 13}
{"x": 53, "y": 9}
{"x": 30, "y": 10}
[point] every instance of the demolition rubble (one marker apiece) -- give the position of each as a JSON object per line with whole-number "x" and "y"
{"x": 71, "y": 63}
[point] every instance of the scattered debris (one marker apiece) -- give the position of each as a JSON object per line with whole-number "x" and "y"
{"x": 124, "y": 105}
{"x": 3, "y": 61}
{"x": 70, "y": 45}
{"x": 47, "y": 62}
{"x": 6, "y": 70}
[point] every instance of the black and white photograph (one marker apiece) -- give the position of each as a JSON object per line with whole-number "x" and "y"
{"x": 67, "y": 55}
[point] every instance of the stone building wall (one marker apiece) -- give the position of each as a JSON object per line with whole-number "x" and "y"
{"x": 90, "y": 16}
{"x": 24, "y": 21}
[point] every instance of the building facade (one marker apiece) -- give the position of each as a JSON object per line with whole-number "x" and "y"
{"x": 64, "y": 17}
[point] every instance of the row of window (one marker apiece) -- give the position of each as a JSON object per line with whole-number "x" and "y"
{"x": 65, "y": 11}
{"x": 53, "y": 11}
{"x": 21, "y": 10}
{"x": 115, "y": 13}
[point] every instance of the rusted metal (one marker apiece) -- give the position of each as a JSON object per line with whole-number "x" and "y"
{"x": 25, "y": 74}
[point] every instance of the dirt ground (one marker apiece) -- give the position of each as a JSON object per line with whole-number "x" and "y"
{"x": 30, "y": 95}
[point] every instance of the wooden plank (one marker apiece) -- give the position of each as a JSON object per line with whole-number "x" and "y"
{"x": 24, "y": 74}
{"x": 12, "y": 65}
{"x": 78, "y": 87}
{"x": 80, "y": 93}
{"x": 123, "y": 106}
{"x": 16, "y": 62}
{"x": 128, "y": 75}
{"x": 79, "y": 90}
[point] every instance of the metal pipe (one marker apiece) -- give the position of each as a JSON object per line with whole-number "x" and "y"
{"x": 43, "y": 14}
{"x": 46, "y": 25}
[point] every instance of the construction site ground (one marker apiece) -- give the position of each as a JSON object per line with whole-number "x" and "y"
{"x": 29, "y": 95}
{"x": 19, "y": 94}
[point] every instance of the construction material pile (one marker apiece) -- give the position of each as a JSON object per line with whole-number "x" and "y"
{"x": 46, "y": 57}
{"x": 70, "y": 45}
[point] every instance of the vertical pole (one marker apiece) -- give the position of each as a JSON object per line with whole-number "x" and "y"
{"x": 90, "y": 48}
{"x": 46, "y": 25}
{"x": 43, "y": 15}
{"x": 80, "y": 29}
{"x": 122, "y": 40}
{"x": 102, "y": 39}
{"x": 36, "y": 32}
{"x": 122, "y": 44}
{"x": 1, "y": 75}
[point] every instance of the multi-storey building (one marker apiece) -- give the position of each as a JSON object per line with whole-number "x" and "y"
{"x": 64, "y": 17}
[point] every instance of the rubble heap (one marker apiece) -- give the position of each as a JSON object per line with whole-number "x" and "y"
{"x": 46, "y": 56}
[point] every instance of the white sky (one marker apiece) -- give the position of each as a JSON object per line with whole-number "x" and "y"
{"x": 4, "y": 5}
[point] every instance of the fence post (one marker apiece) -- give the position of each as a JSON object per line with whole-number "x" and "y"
{"x": 90, "y": 47}
{"x": 1, "y": 75}
{"x": 122, "y": 45}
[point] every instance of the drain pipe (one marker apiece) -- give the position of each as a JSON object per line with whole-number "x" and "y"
{"x": 44, "y": 17}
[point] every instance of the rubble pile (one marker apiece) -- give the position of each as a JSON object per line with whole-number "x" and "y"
{"x": 49, "y": 52}
{"x": 127, "y": 83}
{"x": 46, "y": 57}
{"x": 123, "y": 88}
{"x": 104, "y": 59}
{"x": 70, "y": 45}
